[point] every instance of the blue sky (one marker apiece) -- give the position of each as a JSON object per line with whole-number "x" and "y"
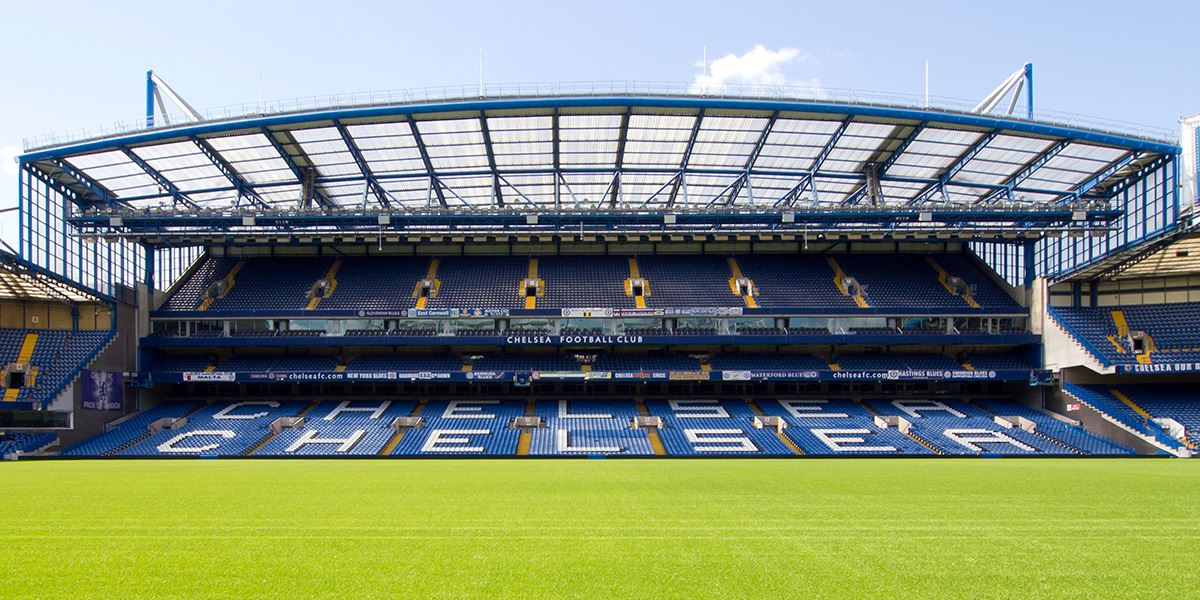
{"x": 82, "y": 64}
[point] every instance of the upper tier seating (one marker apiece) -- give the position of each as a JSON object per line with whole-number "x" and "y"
{"x": 582, "y": 282}
{"x": 909, "y": 281}
{"x": 190, "y": 292}
{"x": 382, "y": 283}
{"x": 480, "y": 282}
{"x": 794, "y": 281}
{"x": 59, "y": 355}
{"x": 272, "y": 284}
{"x": 1174, "y": 329}
{"x": 386, "y": 284}
{"x": 687, "y": 281}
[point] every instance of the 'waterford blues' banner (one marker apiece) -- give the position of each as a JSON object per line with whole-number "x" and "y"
{"x": 102, "y": 390}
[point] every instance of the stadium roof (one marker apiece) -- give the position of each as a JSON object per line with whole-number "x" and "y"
{"x": 598, "y": 154}
{"x": 22, "y": 281}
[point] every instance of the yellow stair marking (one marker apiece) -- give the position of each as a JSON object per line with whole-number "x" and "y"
{"x": 835, "y": 367}
{"x": 526, "y": 439}
{"x": 705, "y": 366}
{"x": 468, "y": 367}
{"x": 210, "y": 368}
{"x": 27, "y": 345}
{"x": 736, "y": 270}
{"x": 968, "y": 366}
{"x": 230, "y": 280}
{"x": 1118, "y": 318}
{"x": 531, "y": 301}
{"x": 1129, "y": 402}
{"x": 431, "y": 275}
{"x": 331, "y": 275}
{"x": 754, "y": 408}
{"x": 656, "y": 444}
{"x": 395, "y": 441}
{"x": 585, "y": 368}
{"x": 635, "y": 273}
{"x": 944, "y": 279}
{"x": 838, "y": 275}
{"x": 1113, "y": 339}
{"x": 339, "y": 368}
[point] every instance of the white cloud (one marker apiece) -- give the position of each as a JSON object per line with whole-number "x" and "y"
{"x": 759, "y": 66}
{"x": 8, "y": 155}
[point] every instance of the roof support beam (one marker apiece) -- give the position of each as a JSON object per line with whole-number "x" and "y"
{"x": 381, "y": 194}
{"x": 758, "y": 146}
{"x": 1132, "y": 179}
{"x": 93, "y": 191}
{"x": 621, "y": 137}
{"x": 433, "y": 178}
{"x": 789, "y": 199}
{"x": 687, "y": 155}
{"x": 229, "y": 172}
{"x": 177, "y": 197}
{"x": 1086, "y": 186}
{"x": 303, "y": 174}
{"x": 491, "y": 157}
{"x": 1026, "y": 171}
{"x": 949, "y": 172}
{"x": 857, "y": 194}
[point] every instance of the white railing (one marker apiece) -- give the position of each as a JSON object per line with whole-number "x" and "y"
{"x": 592, "y": 88}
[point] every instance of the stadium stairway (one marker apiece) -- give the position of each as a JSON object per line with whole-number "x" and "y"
{"x": 910, "y": 434}
{"x": 23, "y": 357}
{"x": 655, "y": 441}
{"x": 532, "y": 281}
{"x": 1036, "y": 432}
{"x": 839, "y": 281}
{"x": 945, "y": 278}
{"x": 230, "y": 280}
{"x": 394, "y": 441}
{"x": 526, "y": 438}
{"x": 640, "y": 292}
{"x": 331, "y": 278}
{"x": 735, "y": 279}
{"x": 434, "y": 284}
{"x": 1102, "y": 404}
{"x": 1060, "y": 333}
{"x": 758, "y": 411}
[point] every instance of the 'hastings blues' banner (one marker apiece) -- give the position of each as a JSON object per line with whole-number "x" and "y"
{"x": 102, "y": 390}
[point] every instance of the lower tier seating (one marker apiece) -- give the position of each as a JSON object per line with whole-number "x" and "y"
{"x": 565, "y": 427}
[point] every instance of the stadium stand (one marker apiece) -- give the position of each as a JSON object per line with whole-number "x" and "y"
{"x": 495, "y": 282}
{"x": 24, "y": 443}
{"x": 588, "y": 427}
{"x": 467, "y": 427}
{"x": 714, "y": 427}
{"x": 346, "y": 428}
{"x": 221, "y": 429}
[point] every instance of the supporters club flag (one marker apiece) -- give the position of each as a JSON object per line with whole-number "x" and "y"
{"x": 102, "y": 390}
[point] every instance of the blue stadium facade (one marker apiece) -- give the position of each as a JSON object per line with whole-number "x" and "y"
{"x": 616, "y": 275}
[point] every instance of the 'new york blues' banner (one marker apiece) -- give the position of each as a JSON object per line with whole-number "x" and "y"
{"x": 102, "y": 390}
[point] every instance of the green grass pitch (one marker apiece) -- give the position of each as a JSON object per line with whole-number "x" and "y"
{"x": 932, "y": 528}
